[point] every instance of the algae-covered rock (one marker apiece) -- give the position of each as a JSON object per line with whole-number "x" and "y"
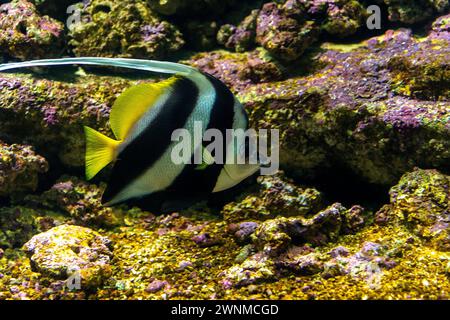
{"x": 275, "y": 196}
{"x": 288, "y": 28}
{"x": 77, "y": 199}
{"x": 374, "y": 109}
{"x": 441, "y": 27}
{"x": 300, "y": 260}
{"x": 65, "y": 250}
{"x": 50, "y": 114}
{"x": 421, "y": 75}
{"x": 411, "y": 12}
{"x": 284, "y": 33}
{"x": 274, "y": 236}
{"x": 421, "y": 200}
{"x": 343, "y": 18}
{"x": 241, "y": 37}
{"x": 367, "y": 264}
{"x": 243, "y": 231}
{"x": 126, "y": 29}
{"x": 254, "y": 270}
{"x": 20, "y": 168}
{"x": 238, "y": 70}
{"x": 24, "y": 34}
{"x": 18, "y": 224}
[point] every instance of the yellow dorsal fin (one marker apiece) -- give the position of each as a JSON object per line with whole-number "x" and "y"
{"x": 131, "y": 105}
{"x": 100, "y": 151}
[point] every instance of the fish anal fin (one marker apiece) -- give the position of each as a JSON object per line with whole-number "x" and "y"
{"x": 100, "y": 151}
{"x": 133, "y": 103}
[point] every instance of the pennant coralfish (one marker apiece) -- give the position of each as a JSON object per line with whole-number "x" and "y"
{"x": 143, "y": 119}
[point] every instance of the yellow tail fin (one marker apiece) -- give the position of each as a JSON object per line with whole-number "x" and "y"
{"x": 100, "y": 151}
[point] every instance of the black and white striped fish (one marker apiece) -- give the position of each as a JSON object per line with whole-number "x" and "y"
{"x": 143, "y": 119}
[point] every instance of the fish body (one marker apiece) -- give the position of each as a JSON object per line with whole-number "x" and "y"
{"x": 143, "y": 120}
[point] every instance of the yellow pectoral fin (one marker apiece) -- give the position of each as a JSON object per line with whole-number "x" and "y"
{"x": 100, "y": 151}
{"x": 133, "y": 103}
{"x": 207, "y": 160}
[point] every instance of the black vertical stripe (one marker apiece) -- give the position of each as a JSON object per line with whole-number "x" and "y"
{"x": 222, "y": 115}
{"x": 151, "y": 144}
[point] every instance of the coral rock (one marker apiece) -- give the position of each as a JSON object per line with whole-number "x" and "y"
{"x": 20, "y": 167}
{"x": 18, "y": 224}
{"x": 242, "y": 37}
{"x": 421, "y": 200}
{"x": 27, "y": 35}
{"x": 127, "y": 29}
{"x": 300, "y": 261}
{"x": 441, "y": 28}
{"x": 343, "y": 18}
{"x": 275, "y": 196}
{"x": 391, "y": 115}
{"x": 79, "y": 199}
{"x": 65, "y": 250}
{"x": 368, "y": 264}
{"x": 411, "y": 12}
{"x": 284, "y": 33}
{"x": 256, "y": 269}
{"x": 156, "y": 285}
{"x": 274, "y": 236}
{"x": 50, "y": 114}
{"x": 244, "y": 231}
{"x": 238, "y": 70}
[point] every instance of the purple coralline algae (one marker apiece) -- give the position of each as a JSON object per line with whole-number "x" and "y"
{"x": 25, "y": 34}
{"x": 368, "y": 123}
{"x": 441, "y": 28}
{"x": 284, "y": 33}
{"x": 242, "y": 37}
{"x": 239, "y": 71}
{"x": 287, "y": 30}
{"x": 20, "y": 168}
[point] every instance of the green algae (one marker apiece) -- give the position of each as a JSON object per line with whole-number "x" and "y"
{"x": 123, "y": 29}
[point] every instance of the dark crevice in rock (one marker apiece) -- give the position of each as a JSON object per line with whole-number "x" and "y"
{"x": 4, "y": 202}
{"x": 339, "y": 184}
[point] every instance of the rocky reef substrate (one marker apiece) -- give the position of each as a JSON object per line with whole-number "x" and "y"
{"x": 377, "y": 109}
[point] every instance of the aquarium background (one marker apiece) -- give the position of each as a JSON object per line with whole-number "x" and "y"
{"x": 360, "y": 91}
